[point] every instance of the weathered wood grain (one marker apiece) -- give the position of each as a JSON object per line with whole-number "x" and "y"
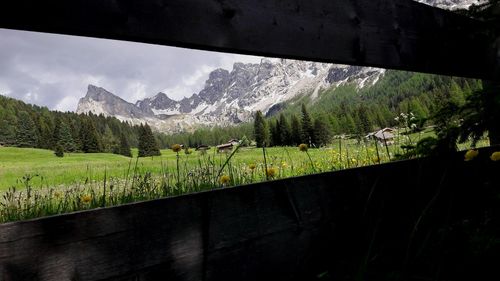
{"x": 398, "y": 34}
{"x": 412, "y": 219}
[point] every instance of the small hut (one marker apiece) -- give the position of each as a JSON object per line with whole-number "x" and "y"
{"x": 225, "y": 147}
{"x": 202, "y": 147}
{"x": 383, "y": 136}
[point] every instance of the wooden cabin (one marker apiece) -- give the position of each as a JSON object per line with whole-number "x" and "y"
{"x": 383, "y": 136}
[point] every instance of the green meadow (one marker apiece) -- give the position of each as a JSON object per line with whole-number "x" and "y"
{"x": 36, "y": 183}
{"x": 46, "y": 170}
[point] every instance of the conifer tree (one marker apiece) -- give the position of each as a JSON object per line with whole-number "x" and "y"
{"x": 275, "y": 133}
{"x": 8, "y": 129}
{"x": 27, "y": 134}
{"x": 59, "y": 151}
{"x": 295, "y": 131}
{"x": 307, "y": 129}
{"x": 321, "y": 132}
{"x": 285, "y": 131}
{"x": 334, "y": 125}
{"x": 124, "y": 148}
{"x": 89, "y": 138}
{"x": 365, "y": 122}
{"x": 45, "y": 135}
{"x": 109, "y": 141}
{"x": 62, "y": 136}
{"x": 148, "y": 146}
{"x": 261, "y": 132}
{"x": 456, "y": 94}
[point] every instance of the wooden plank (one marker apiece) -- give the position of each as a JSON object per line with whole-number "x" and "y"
{"x": 357, "y": 222}
{"x": 398, "y": 34}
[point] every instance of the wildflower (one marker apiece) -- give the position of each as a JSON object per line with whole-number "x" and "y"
{"x": 188, "y": 151}
{"x": 252, "y": 166}
{"x": 284, "y": 164}
{"x": 176, "y": 147}
{"x": 495, "y": 156}
{"x": 471, "y": 154}
{"x": 271, "y": 172}
{"x": 303, "y": 147}
{"x": 86, "y": 198}
{"x": 224, "y": 179}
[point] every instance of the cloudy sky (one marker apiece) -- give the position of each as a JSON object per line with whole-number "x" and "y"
{"x": 54, "y": 70}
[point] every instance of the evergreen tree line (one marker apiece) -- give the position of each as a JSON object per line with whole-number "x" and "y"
{"x": 356, "y": 112}
{"x": 342, "y": 110}
{"x": 207, "y": 136}
{"x": 25, "y": 125}
{"x": 293, "y": 131}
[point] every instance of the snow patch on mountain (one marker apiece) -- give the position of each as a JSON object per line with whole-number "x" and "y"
{"x": 231, "y": 97}
{"x": 451, "y": 4}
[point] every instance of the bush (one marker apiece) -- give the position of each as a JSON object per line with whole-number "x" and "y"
{"x": 59, "y": 151}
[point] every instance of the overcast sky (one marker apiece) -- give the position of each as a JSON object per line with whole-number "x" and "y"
{"x": 55, "y": 70}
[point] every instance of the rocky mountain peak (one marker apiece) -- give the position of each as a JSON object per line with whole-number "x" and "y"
{"x": 451, "y": 4}
{"x": 97, "y": 93}
{"x": 230, "y": 97}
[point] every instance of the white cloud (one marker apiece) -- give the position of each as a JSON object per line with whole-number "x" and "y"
{"x": 135, "y": 91}
{"x": 55, "y": 70}
{"x": 67, "y": 102}
{"x": 4, "y": 90}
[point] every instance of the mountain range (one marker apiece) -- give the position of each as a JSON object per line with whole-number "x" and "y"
{"x": 230, "y": 97}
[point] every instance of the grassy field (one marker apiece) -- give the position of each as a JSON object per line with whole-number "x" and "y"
{"x": 36, "y": 183}
{"x": 78, "y": 168}
{"x": 47, "y": 170}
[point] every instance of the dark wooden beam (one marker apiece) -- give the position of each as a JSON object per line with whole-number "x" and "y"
{"x": 398, "y": 34}
{"x": 414, "y": 219}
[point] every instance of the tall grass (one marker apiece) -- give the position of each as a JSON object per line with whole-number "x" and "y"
{"x": 138, "y": 181}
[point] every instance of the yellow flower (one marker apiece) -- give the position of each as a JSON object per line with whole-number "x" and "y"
{"x": 224, "y": 179}
{"x": 471, "y": 154}
{"x": 86, "y": 198}
{"x": 271, "y": 172}
{"x": 176, "y": 147}
{"x": 252, "y": 166}
{"x": 303, "y": 147}
{"x": 284, "y": 164}
{"x": 495, "y": 156}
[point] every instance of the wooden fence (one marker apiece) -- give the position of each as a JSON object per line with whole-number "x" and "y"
{"x": 426, "y": 219}
{"x": 398, "y": 34}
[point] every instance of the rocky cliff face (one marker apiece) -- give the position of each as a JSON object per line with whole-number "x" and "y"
{"x": 451, "y": 4}
{"x": 230, "y": 97}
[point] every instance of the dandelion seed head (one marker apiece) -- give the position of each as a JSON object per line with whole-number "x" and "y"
{"x": 176, "y": 147}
